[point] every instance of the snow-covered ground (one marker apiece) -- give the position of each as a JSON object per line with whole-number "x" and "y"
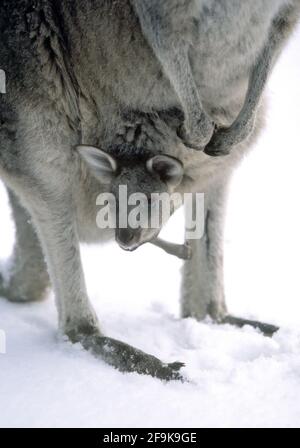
{"x": 239, "y": 377}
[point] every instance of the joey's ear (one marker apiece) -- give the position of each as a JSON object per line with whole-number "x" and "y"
{"x": 102, "y": 165}
{"x": 168, "y": 168}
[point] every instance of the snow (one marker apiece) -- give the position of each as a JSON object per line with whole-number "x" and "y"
{"x": 238, "y": 378}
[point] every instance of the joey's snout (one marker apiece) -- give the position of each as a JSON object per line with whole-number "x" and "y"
{"x": 128, "y": 239}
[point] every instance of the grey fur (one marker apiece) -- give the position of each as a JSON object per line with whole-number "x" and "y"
{"x": 241, "y": 129}
{"x": 108, "y": 74}
{"x": 27, "y": 279}
{"x": 203, "y": 273}
{"x": 168, "y": 27}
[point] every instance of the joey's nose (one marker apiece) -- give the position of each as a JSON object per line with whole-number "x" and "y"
{"x": 125, "y": 236}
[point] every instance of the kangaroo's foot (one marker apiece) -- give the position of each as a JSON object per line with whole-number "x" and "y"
{"x": 21, "y": 287}
{"x": 24, "y": 278}
{"x": 266, "y": 329}
{"x": 126, "y": 358}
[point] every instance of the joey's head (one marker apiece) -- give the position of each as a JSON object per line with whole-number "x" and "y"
{"x": 140, "y": 190}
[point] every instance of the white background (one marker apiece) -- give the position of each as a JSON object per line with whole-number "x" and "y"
{"x": 239, "y": 377}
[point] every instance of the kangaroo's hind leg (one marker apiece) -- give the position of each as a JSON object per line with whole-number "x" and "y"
{"x": 202, "y": 287}
{"x": 203, "y": 284}
{"x": 27, "y": 277}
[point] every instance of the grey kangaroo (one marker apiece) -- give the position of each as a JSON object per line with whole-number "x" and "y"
{"x": 103, "y": 93}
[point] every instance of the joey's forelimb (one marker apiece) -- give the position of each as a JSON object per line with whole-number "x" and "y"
{"x": 182, "y": 251}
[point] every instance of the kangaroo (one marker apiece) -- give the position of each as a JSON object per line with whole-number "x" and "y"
{"x": 103, "y": 93}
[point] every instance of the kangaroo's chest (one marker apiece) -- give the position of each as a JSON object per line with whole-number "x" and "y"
{"x": 119, "y": 70}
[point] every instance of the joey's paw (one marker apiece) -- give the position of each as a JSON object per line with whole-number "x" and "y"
{"x": 188, "y": 251}
{"x": 127, "y": 358}
{"x": 185, "y": 252}
{"x": 198, "y": 133}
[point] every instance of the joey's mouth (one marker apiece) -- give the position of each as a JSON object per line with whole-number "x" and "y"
{"x": 128, "y": 239}
{"x": 131, "y": 241}
{"x": 129, "y": 248}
